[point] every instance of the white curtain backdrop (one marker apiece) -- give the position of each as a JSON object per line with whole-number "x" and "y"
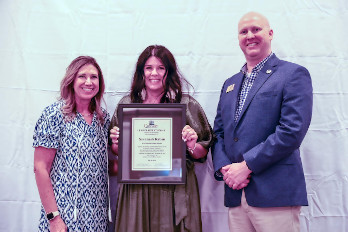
{"x": 39, "y": 38}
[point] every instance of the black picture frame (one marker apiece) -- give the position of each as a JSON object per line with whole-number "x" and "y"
{"x": 149, "y": 132}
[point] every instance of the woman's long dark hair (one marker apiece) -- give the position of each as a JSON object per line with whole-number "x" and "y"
{"x": 173, "y": 83}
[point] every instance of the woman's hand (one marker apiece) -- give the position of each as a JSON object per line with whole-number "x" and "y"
{"x": 57, "y": 225}
{"x": 114, "y": 135}
{"x": 189, "y": 136}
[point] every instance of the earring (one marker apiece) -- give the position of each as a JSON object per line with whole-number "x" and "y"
{"x": 143, "y": 94}
{"x": 170, "y": 94}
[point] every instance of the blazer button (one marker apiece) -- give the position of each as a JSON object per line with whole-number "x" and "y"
{"x": 236, "y": 139}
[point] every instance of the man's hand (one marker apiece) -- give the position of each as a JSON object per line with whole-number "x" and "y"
{"x": 236, "y": 175}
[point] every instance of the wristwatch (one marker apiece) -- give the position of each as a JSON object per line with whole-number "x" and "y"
{"x": 52, "y": 215}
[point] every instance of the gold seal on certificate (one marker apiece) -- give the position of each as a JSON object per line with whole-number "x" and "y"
{"x": 151, "y": 150}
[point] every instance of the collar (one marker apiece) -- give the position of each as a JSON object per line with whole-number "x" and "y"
{"x": 258, "y": 67}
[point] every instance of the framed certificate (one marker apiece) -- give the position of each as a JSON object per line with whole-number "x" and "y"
{"x": 151, "y": 150}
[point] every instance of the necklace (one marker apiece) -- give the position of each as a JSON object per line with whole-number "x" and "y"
{"x": 86, "y": 115}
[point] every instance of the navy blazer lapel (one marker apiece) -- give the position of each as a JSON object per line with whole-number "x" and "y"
{"x": 268, "y": 69}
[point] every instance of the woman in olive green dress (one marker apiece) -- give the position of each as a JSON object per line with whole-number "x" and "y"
{"x": 163, "y": 207}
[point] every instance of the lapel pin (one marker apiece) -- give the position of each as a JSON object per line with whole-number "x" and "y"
{"x": 230, "y": 88}
{"x": 268, "y": 71}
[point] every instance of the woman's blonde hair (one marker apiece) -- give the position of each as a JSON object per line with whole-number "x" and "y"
{"x": 67, "y": 92}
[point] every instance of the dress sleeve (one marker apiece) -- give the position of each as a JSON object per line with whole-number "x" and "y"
{"x": 47, "y": 129}
{"x": 114, "y": 118}
{"x": 196, "y": 118}
{"x": 106, "y": 126}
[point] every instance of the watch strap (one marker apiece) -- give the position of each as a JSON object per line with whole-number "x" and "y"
{"x": 52, "y": 215}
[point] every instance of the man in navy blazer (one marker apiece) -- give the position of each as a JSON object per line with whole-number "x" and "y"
{"x": 263, "y": 115}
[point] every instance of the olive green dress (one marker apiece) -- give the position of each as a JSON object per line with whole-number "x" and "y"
{"x": 162, "y": 207}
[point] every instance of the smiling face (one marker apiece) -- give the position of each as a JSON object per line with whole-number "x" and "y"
{"x": 155, "y": 75}
{"x": 255, "y": 36}
{"x": 86, "y": 83}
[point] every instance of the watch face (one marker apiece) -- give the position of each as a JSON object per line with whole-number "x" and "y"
{"x": 52, "y": 215}
{"x": 49, "y": 216}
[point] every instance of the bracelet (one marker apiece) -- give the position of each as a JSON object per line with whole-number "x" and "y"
{"x": 192, "y": 149}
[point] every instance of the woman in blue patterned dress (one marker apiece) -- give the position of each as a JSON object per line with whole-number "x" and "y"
{"x": 70, "y": 158}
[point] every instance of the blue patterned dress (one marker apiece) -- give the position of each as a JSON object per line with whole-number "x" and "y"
{"x": 79, "y": 170}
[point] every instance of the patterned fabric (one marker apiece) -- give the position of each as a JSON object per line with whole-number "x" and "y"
{"x": 164, "y": 207}
{"x": 79, "y": 170}
{"x": 248, "y": 83}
